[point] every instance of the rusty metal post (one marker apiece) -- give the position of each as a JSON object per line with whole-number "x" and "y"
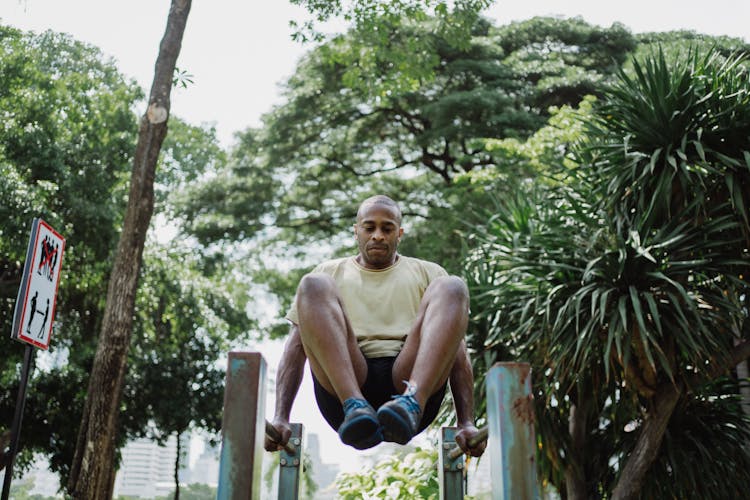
{"x": 450, "y": 466}
{"x": 512, "y": 444}
{"x": 243, "y": 427}
{"x": 290, "y": 466}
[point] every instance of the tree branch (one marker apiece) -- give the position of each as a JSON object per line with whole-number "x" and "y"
{"x": 718, "y": 367}
{"x": 647, "y": 446}
{"x": 354, "y": 171}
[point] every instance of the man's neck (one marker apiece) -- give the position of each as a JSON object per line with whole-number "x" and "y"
{"x": 361, "y": 262}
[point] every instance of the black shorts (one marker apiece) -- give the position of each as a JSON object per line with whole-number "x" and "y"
{"x": 377, "y": 389}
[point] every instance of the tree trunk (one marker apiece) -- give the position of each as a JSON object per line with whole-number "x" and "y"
{"x": 742, "y": 375}
{"x": 92, "y": 471}
{"x": 177, "y": 469}
{"x": 4, "y": 444}
{"x": 575, "y": 480}
{"x": 649, "y": 440}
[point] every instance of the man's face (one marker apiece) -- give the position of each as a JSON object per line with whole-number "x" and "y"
{"x": 378, "y": 232}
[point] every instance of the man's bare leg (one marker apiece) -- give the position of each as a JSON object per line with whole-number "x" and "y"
{"x": 430, "y": 349}
{"x": 335, "y": 358}
{"x": 329, "y": 342}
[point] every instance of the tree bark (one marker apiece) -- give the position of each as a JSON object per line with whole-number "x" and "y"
{"x": 177, "y": 468}
{"x": 4, "y": 443}
{"x": 92, "y": 471}
{"x": 575, "y": 481}
{"x": 655, "y": 423}
{"x": 649, "y": 440}
{"x": 743, "y": 373}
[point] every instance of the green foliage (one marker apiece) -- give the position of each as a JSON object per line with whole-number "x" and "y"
{"x": 231, "y": 202}
{"x": 65, "y": 154}
{"x": 565, "y": 59}
{"x": 413, "y": 475}
{"x": 189, "y": 153}
{"x": 185, "y": 323}
{"x": 194, "y": 491}
{"x": 333, "y": 143}
{"x": 681, "y": 127}
{"x": 673, "y": 43}
{"x": 375, "y": 62}
{"x": 705, "y": 444}
{"x": 65, "y": 150}
{"x": 626, "y": 273}
{"x": 21, "y": 490}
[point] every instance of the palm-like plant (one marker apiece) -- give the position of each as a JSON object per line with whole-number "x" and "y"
{"x": 626, "y": 285}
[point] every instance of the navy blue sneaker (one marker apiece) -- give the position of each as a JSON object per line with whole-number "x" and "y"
{"x": 360, "y": 428}
{"x": 400, "y": 417}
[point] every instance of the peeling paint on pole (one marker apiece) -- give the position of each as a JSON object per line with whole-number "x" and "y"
{"x": 243, "y": 427}
{"x": 290, "y": 466}
{"x": 512, "y": 443}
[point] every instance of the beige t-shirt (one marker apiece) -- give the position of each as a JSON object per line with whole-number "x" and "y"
{"x": 381, "y": 304}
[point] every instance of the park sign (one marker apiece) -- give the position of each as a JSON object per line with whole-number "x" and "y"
{"x": 35, "y": 306}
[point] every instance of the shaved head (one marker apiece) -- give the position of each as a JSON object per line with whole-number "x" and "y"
{"x": 379, "y": 199}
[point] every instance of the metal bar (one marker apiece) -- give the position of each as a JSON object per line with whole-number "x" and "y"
{"x": 290, "y": 466}
{"x": 15, "y": 432}
{"x": 481, "y": 436}
{"x": 510, "y": 412}
{"x": 240, "y": 466}
{"x": 450, "y": 469}
{"x": 274, "y": 435}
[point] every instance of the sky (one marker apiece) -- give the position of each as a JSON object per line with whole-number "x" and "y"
{"x": 239, "y": 53}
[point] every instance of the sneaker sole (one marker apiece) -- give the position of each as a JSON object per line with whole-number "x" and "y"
{"x": 360, "y": 432}
{"x": 374, "y": 440}
{"x": 395, "y": 428}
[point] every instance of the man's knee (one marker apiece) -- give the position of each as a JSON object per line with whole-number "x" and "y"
{"x": 452, "y": 288}
{"x": 315, "y": 285}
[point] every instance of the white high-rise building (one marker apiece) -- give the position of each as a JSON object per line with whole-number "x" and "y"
{"x": 205, "y": 470}
{"x": 147, "y": 469}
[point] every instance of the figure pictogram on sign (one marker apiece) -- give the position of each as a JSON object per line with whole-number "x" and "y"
{"x": 48, "y": 258}
{"x": 35, "y": 309}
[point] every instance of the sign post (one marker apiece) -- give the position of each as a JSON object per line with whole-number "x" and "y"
{"x": 34, "y": 315}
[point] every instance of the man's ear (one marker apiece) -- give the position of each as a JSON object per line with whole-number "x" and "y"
{"x": 354, "y": 228}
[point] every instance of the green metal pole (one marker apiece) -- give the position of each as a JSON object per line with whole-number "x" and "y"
{"x": 290, "y": 465}
{"x": 243, "y": 427}
{"x": 450, "y": 466}
{"x": 512, "y": 442}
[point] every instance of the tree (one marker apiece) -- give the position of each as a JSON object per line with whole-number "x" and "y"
{"x": 374, "y": 61}
{"x": 699, "y": 119}
{"x": 48, "y": 80}
{"x": 92, "y": 473}
{"x": 186, "y": 322}
{"x": 333, "y": 142}
{"x": 63, "y": 155}
{"x": 624, "y": 282}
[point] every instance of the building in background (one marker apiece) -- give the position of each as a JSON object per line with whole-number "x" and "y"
{"x": 46, "y": 483}
{"x": 205, "y": 470}
{"x": 322, "y": 473}
{"x": 147, "y": 469}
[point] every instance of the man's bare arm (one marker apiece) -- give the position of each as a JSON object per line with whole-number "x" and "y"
{"x": 462, "y": 389}
{"x": 288, "y": 380}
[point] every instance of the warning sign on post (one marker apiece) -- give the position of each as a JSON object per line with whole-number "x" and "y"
{"x": 35, "y": 307}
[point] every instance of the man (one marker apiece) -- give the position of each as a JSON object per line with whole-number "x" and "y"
{"x": 384, "y": 334}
